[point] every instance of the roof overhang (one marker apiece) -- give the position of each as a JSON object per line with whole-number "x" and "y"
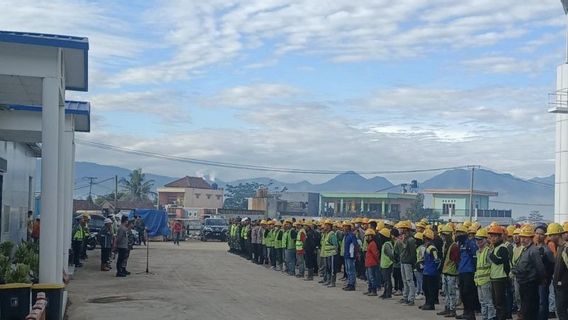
{"x": 80, "y": 110}
{"x": 460, "y": 192}
{"x": 75, "y": 51}
{"x": 370, "y": 195}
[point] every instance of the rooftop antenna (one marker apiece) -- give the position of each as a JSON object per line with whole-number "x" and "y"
{"x": 565, "y": 5}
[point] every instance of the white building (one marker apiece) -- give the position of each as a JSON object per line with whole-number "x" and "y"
{"x": 35, "y": 71}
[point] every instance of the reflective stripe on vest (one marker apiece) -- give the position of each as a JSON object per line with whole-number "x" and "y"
{"x": 290, "y": 243}
{"x": 498, "y": 270}
{"x": 79, "y": 234}
{"x": 386, "y": 262}
{"x": 270, "y": 239}
{"x": 299, "y": 242}
{"x": 483, "y": 267}
{"x": 450, "y": 267}
{"x": 278, "y": 243}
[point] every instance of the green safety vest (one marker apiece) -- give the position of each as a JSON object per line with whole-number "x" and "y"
{"x": 450, "y": 267}
{"x": 244, "y": 232}
{"x": 483, "y": 267}
{"x": 79, "y": 233}
{"x": 278, "y": 243}
{"x": 329, "y": 247}
{"x": 299, "y": 242}
{"x": 270, "y": 238}
{"x": 263, "y": 242}
{"x": 386, "y": 262}
{"x": 517, "y": 254}
{"x": 341, "y": 246}
{"x": 289, "y": 243}
{"x": 498, "y": 270}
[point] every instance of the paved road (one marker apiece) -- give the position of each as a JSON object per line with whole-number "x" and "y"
{"x": 202, "y": 281}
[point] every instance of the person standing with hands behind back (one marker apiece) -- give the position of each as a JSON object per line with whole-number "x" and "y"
{"x": 121, "y": 246}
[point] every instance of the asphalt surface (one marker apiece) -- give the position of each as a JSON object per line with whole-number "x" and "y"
{"x": 201, "y": 280}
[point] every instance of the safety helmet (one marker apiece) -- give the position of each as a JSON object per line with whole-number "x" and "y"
{"x": 385, "y": 232}
{"x": 510, "y": 230}
{"x": 472, "y": 230}
{"x": 481, "y": 233}
{"x": 277, "y": 223}
{"x": 447, "y": 229}
{"x": 461, "y": 228}
{"x": 107, "y": 220}
{"x": 495, "y": 229}
{"x": 554, "y": 228}
{"x": 365, "y": 220}
{"x": 424, "y": 220}
{"x": 467, "y": 224}
{"x": 405, "y": 225}
{"x": 421, "y": 224}
{"x": 297, "y": 223}
{"x": 328, "y": 221}
{"x": 358, "y": 220}
{"x": 308, "y": 223}
{"x": 428, "y": 234}
{"x": 419, "y": 236}
{"x": 370, "y": 232}
{"x": 517, "y": 231}
{"x": 527, "y": 231}
{"x": 388, "y": 223}
{"x": 347, "y": 223}
{"x": 287, "y": 221}
{"x": 262, "y": 222}
{"x": 565, "y": 226}
{"x": 380, "y": 225}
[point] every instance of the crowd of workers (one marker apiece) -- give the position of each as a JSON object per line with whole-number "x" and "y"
{"x": 115, "y": 238}
{"x": 493, "y": 271}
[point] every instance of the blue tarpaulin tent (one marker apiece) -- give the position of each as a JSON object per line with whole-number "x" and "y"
{"x": 156, "y": 221}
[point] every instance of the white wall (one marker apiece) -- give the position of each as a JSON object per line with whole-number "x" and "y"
{"x": 16, "y": 194}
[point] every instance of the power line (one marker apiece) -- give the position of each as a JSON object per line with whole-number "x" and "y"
{"x": 248, "y": 166}
{"x": 94, "y": 183}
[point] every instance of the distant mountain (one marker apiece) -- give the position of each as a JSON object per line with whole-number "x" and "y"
{"x": 534, "y": 194}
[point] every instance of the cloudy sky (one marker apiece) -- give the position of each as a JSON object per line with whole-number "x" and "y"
{"x": 341, "y": 85}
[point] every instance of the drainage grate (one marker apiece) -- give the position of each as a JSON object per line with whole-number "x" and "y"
{"x": 110, "y": 299}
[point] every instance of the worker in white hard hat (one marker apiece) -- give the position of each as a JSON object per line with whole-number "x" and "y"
{"x": 106, "y": 235}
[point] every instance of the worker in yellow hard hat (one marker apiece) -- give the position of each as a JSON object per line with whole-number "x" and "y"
{"x": 482, "y": 274}
{"x": 310, "y": 251}
{"x": 430, "y": 270}
{"x": 530, "y": 273}
{"x": 372, "y": 262}
{"x": 449, "y": 271}
{"x": 500, "y": 268}
{"x": 329, "y": 251}
{"x": 466, "y": 271}
{"x": 420, "y": 248}
{"x": 560, "y": 279}
{"x": 278, "y": 246}
{"x": 407, "y": 262}
{"x": 387, "y": 259}
{"x": 350, "y": 247}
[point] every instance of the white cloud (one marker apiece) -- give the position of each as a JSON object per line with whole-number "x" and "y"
{"x": 251, "y": 95}
{"x": 511, "y": 65}
{"x": 207, "y": 33}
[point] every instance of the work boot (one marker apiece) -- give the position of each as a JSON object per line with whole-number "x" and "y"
{"x": 372, "y": 294}
{"x": 450, "y": 314}
{"x": 443, "y": 313}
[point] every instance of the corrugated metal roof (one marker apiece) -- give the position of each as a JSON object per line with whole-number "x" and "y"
{"x": 45, "y": 39}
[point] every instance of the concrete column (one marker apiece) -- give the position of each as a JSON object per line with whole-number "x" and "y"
{"x": 362, "y": 206}
{"x": 48, "y": 253}
{"x": 320, "y": 205}
{"x": 341, "y": 205}
{"x": 383, "y": 208}
{"x": 561, "y": 154}
{"x": 61, "y": 188}
{"x": 68, "y": 191}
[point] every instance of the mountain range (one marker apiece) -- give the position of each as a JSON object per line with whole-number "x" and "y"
{"x": 520, "y": 195}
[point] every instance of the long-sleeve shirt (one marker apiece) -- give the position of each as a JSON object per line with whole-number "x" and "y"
{"x": 372, "y": 254}
{"x": 529, "y": 267}
{"x": 408, "y": 253}
{"x": 467, "y": 256}
{"x": 350, "y": 245}
{"x": 502, "y": 257}
{"x": 122, "y": 237}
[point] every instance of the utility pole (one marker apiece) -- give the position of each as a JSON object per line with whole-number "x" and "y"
{"x": 471, "y": 193}
{"x": 115, "y": 192}
{"x": 91, "y": 179}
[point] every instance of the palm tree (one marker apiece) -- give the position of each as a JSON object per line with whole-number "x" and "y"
{"x": 135, "y": 187}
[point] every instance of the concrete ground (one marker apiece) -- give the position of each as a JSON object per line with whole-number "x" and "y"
{"x": 201, "y": 280}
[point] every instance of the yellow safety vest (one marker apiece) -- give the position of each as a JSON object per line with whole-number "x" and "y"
{"x": 328, "y": 248}
{"x": 483, "y": 267}
{"x": 450, "y": 267}
{"x": 299, "y": 242}
{"x": 498, "y": 270}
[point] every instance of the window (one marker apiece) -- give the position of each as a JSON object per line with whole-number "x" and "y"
{"x": 446, "y": 207}
{"x": 218, "y": 197}
{"x": 208, "y": 196}
{"x": 197, "y": 195}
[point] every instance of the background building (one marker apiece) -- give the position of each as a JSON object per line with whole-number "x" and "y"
{"x": 454, "y": 204}
{"x": 374, "y": 204}
{"x": 192, "y": 194}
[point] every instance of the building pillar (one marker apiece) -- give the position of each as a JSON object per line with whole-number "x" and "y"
{"x": 341, "y": 205}
{"x": 561, "y": 150}
{"x": 68, "y": 190}
{"x": 61, "y": 188}
{"x": 48, "y": 253}
{"x": 362, "y": 205}
{"x": 320, "y": 205}
{"x": 383, "y": 208}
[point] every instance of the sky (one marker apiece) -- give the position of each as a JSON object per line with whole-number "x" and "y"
{"x": 363, "y": 85}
